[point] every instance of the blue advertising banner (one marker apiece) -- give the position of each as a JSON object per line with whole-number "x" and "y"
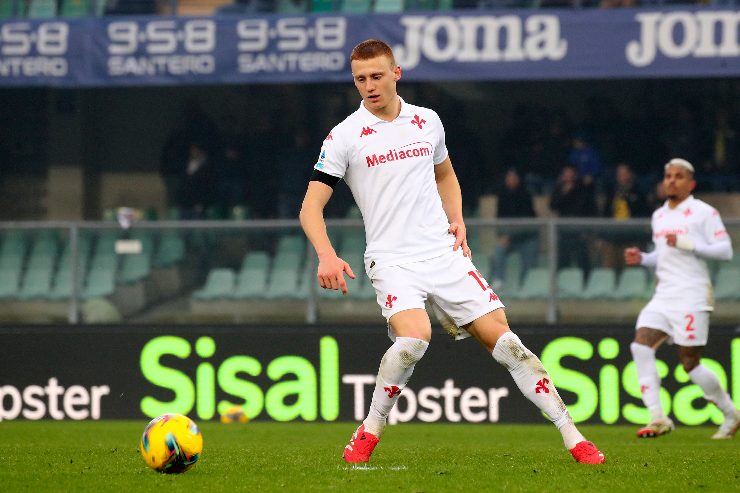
{"x": 459, "y": 45}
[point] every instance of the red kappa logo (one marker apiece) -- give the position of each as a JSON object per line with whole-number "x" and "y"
{"x": 329, "y": 137}
{"x": 393, "y": 391}
{"x": 390, "y": 300}
{"x": 418, "y": 121}
{"x": 542, "y": 387}
{"x": 367, "y": 131}
{"x": 687, "y": 212}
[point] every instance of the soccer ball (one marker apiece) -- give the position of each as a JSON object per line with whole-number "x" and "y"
{"x": 234, "y": 414}
{"x": 171, "y": 443}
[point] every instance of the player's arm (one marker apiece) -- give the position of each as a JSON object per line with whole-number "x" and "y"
{"x": 633, "y": 256}
{"x": 449, "y": 191}
{"x": 714, "y": 244}
{"x": 331, "y": 268}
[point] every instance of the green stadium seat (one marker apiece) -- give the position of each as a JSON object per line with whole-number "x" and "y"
{"x": 291, "y": 244}
{"x": 411, "y": 5}
{"x": 36, "y": 284}
{"x": 99, "y": 284}
{"x": 602, "y": 283}
{"x": 219, "y": 285}
{"x": 355, "y": 6}
{"x": 251, "y": 282}
{"x": 292, "y": 6}
{"x": 323, "y": 6}
{"x": 445, "y": 5}
{"x": 536, "y": 285}
{"x": 171, "y": 249}
{"x": 570, "y": 283}
{"x": 135, "y": 267}
{"x": 385, "y": 6}
{"x": 727, "y": 284}
{"x": 284, "y": 284}
{"x": 7, "y": 9}
{"x": 76, "y": 8}
{"x": 632, "y": 284}
{"x": 9, "y": 283}
{"x": 42, "y": 9}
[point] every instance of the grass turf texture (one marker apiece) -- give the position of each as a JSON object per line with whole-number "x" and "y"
{"x": 104, "y": 456}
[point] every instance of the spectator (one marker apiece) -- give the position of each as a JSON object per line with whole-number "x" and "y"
{"x": 721, "y": 169}
{"x": 572, "y": 198}
{"x": 585, "y": 158}
{"x": 293, "y": 167}
{"x": 515, "y": 201}
{"x": 625, "y": 201}
{"x": 198, "y": 183}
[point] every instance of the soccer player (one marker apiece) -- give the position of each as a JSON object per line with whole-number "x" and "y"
{"x": 393, "y": 157}
{"x": 686, "y": 231}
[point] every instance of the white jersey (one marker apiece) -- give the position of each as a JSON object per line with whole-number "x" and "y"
{"x": 389, "y": 167}
{"x": 683, "y": 277}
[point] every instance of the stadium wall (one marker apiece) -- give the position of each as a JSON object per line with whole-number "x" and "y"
{"x": 326, "y": 373}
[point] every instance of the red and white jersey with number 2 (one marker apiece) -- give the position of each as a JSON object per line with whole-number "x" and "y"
{"x": 389, "y": 167}
{"x": 683, "y": 277}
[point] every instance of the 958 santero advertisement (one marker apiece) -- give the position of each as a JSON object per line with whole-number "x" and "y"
{"x": 299, "y": 373}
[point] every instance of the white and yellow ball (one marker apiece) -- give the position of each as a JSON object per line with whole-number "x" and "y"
{"x": 234, "y": 414}
{"x": 171, "y": 443}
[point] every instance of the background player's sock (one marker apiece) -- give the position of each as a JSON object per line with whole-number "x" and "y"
{"x": 707, "y": 380}
{"x": 647, "y": 376}
{"x": 536, "y": 385}
{"x": 395, "y": 371}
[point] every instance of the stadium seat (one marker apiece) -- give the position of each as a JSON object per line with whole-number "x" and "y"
{"x": 291, "y": 244}
{"x": 536, "y": 285}
{"x": 9, "y": 283}
{"x": 632, "y": 284}
{"x": 570, "y": 283}
{"x": 284, "y": 284}
{"x": 171, "y": 249}
{"x": 100, "y": 283}
{"x": 355, "y": 6}
{"x": 727, "y": 284}
{"x": 411, "y": 5}
{"x": 36, "y": 284}
{"x": 219, "y": 285}
{"x": 388, "y": 5}
{"x": 76, "y": 8}
{"x": 292, "y": 6}
{"x": 7, "y": 9}
{"x": 602, "y": 283}
{"x": 323, "y": 6}
{"x": 135, "y": 267}
{"x": 38, "y": 9}
{"x": 251, "y": 282}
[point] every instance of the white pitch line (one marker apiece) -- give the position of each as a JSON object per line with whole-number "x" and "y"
{"x": 378, "y": 468}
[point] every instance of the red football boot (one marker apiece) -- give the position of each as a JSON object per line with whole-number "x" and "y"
{"x": 360, "y": 446}
{"x": 587, "y": 453}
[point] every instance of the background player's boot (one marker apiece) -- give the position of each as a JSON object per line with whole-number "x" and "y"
{"x": 360, "y": 446}
{"x": 729, "y": 427}
{"x": 657, "y": 427}
{"x": 587, "y": 453}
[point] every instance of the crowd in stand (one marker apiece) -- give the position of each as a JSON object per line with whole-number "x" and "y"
{"x": 601, "y": 165}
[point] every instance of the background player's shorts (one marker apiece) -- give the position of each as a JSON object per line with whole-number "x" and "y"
{"x": 451, "y": 284}
{"x": 683, "y": 328}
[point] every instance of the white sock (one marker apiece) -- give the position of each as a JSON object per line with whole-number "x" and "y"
{"x": 536, "y": 385}
{"x": 395, "y": 371}
{"x": 707, "y": 380}
{"x": 647, "y": 376}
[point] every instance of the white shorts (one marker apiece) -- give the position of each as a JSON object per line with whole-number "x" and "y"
{"x": 457, "y": 292}
{"x": 683, "y": 328}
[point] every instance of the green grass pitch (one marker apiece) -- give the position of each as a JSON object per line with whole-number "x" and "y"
{"x": 103, "y": 456}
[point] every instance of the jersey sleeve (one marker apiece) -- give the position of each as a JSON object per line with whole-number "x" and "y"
{"x": 714, "y": 230}
{"x": 440, "y": 146}
{"x": 333, "y": 158}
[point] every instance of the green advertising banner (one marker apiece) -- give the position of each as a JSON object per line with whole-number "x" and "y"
{"x": 327, "y": 373}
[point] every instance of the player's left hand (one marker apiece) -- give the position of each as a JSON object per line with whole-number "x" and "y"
{"x": 670, "y": 239}
{"x": 460, "y": 232}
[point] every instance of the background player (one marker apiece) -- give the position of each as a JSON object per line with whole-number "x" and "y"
{"x": 393, "y": 157}
{"x": 686, "y": 231}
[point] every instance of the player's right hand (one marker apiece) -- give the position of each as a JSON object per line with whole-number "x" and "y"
{"x": 331, "y": 273}
{"x": 632, "y": 256}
